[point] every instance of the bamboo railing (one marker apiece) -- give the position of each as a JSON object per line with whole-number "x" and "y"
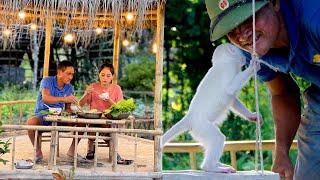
{"x": 11, "y": 105}
{"x": 230, "y": 146}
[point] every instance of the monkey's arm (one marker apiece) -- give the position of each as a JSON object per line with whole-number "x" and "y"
{"x": 238, "y": 108}
{"x": 240, "y": 80}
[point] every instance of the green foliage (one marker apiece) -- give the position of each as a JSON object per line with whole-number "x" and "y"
{"x": 123, "y": 106}
{"x": 139, "y": 76}
{"x": 4, "y": 148}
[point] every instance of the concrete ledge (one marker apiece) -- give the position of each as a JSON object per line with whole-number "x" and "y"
{"x": 201, "y": 175}
{"x": 47, "y": 174}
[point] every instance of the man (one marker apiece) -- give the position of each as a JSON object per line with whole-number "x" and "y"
{"x": 288, "y": 38}
{"x": 55, "y": 91}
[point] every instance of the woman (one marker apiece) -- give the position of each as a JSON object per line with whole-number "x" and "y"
{"x": 100, "y": 96}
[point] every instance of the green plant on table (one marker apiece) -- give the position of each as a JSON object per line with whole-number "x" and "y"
{"x": 123, "y": 106}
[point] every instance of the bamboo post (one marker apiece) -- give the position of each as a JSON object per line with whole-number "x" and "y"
{"x": 52, "y": 146}
{"x": 20, "y": 113}
{"x": 111, "y": 147}
{"x": 75, "y": 151}
{"x": 13, "y": 150}
{"x": 116, "y": 51}
{"x": 135, "y": 153}
{"x": 1, "y": 113}
{"x": 114, "y": 151}
{"x": 158, "y": 87}
{"x": 193, "y": 163}
{"x": 47, "y": 46}
{"x": 56, "y": 149}
{"x": 35, "y": 147}
{"x": 10, "y": 114}
{"x": 233, "y": 159}
{"x": 96, "y": 151}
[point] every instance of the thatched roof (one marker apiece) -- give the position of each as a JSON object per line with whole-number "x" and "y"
{"x": 79, "y": 16}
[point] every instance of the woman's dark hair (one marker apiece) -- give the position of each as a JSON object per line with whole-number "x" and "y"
{"x": 107, "y": 65}
{"x": 64, "y": 64}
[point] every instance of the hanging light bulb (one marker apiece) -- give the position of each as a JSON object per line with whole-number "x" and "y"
{"x": 154, "y": 48}
{"x": 6, "y": 32}
{"x": 68, "y": 38}
{"x": 125, "y": 43}
{"x": 99, "y": 31}
{"x": 22, "y": 15}
{"x": 33, "y": 27}
{"x": 129, "y": 17}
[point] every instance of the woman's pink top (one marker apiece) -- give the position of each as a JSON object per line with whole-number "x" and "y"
{"x": 95, "y": 102}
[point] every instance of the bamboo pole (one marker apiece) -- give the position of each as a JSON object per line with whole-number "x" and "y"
{"x": 47, "y": 46}
{"x": 114, "y": 151}
{"x": 10, "y": 114}
{"x": 0, "y": 112}
{"x": 20, "y": 113}
{"x": 158, "y": 87}
{"x": 80, "y": 129}
{"x": 52, "y": 146}
{"x": 13, "y": 150}
{"x": 53, "y": 118}
{"x": 193, "y": 163}
{"x": 35, "y": 147}
{"x": 135, "y": 153}
{"x": 17, "y": 102}
{"x": 116, "y": 51}
{"x": 75, "y": 151}
{"x": 84, "y": 137}
{"x": 96, "y": 151}
{"x": 233, "y": 159}
{"x": 56, "y": 149}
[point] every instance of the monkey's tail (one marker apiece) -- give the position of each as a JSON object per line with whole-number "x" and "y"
{"x": 178, "y": 128}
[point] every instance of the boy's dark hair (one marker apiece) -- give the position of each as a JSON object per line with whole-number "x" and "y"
{"x": 107, "y": 65}
{"x": 64, "y": 64}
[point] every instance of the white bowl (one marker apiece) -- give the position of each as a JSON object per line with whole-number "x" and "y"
{"x": 74, "y": 108}
{"x": 55, "y": 111}
{"x": 104, "y": 96}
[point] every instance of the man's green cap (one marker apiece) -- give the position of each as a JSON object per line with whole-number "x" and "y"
{"x": 226, "y": 15}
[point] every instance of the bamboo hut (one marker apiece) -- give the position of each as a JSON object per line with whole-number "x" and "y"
{"x": 81, "y": 19}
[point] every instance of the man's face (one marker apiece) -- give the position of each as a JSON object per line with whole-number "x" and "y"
{"x": 66, "y": 75}
{"x": 267, "y": 29}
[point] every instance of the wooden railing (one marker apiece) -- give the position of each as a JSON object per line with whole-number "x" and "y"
{"x": 230, "y": 146}
{"x": 19, "y": 111}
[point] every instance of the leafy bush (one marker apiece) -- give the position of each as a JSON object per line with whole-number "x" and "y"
{"x": 139, "y": 76}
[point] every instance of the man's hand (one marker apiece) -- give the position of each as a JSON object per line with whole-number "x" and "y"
{"x": 283, "y": 166}
{"x": 70, "y": 99}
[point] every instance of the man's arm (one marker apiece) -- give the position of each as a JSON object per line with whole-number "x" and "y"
{"x": 49, "y": 99}
{"x": 286, "y": 111}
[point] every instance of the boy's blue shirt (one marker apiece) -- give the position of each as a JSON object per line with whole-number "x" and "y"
{"x": 302, "y": 19}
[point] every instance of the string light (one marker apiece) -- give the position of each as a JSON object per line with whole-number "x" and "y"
{"x": 125, "y": 43}
{"x": 7, "y": 32}
{"x": 33, "y": 27}
{"x": 99, "y": 31}
{"x": 22, "y": 15}
{"x": 68, "y": 38}
{"x": 129, "y": 17}
{"x": 154, "y": 48}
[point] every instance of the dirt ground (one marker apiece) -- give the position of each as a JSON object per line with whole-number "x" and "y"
{"x": 144, "y": 161}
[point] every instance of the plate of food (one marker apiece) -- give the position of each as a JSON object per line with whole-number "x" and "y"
{"x": 92, "y": 114}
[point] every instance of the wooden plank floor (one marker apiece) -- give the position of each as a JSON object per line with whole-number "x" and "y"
{"x": 145, "y": 155}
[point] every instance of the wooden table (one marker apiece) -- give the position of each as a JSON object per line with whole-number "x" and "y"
{"x": 113, "y": 149}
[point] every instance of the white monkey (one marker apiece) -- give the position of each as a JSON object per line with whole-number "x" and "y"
{"x": 215, "y": 94}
